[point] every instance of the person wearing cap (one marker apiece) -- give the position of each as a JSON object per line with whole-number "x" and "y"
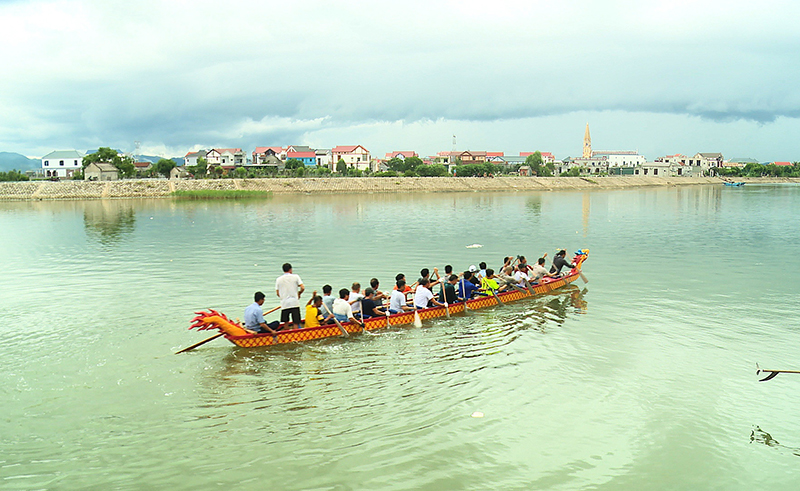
{"x": 560, "y": 261}
{"x": 368, "y": 306}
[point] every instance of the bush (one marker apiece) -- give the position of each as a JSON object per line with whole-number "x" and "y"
{"x": 13, "y": 175}
{"x": 386, "y": 173}
{"x": 435, "y": 170}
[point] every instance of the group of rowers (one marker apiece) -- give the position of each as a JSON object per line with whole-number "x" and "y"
{"x": 353, "y": 305}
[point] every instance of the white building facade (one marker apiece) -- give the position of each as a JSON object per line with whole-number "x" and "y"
{"x": 62, "y": 163}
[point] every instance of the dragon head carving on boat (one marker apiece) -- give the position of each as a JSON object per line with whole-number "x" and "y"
{"x": 217, "y": 320}
{"x": 580, "y": 257}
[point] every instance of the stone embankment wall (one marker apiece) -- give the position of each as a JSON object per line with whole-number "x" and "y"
{"x": 159, "y": 188}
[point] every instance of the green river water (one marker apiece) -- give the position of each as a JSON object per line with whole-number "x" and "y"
{"x": 643, "y": 378}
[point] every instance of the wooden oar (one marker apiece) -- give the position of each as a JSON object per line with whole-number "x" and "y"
{"x": 339, "y": 324}
{"x": 463, "y": 291}
{"x": 583, "y": 277}
{"x": 772, "y": 373}
{"x": 361, "y": 310}
{"x": 444, "y": 297}
{"x": 215, "y": 336}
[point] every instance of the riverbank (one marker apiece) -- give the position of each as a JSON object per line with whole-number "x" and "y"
{"x": 159, "y": 188}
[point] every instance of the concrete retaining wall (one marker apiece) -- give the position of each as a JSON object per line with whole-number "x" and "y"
{"x": 158, "y": 188}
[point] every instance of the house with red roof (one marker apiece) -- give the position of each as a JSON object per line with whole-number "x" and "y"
{"x": 472, "y": 157}
{"x": 782, "y": 164}
{"x": 309, "y": 159}
{"x": 401, "y": 154}
{"x": 191, "y": 157}
{"x": 261, "y": 155}
{"x": 547, "y": 157}
{"x": 355, "y": 156}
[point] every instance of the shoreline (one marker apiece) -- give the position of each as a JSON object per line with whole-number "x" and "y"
{"x": 162, "y": 188}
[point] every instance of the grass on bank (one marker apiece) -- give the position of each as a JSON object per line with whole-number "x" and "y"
{"x": 221, "y": 194}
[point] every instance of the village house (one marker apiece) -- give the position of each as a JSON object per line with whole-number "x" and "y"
{"x": 226, "y": 157}
{"x": 62, "y": 163}
{"x": 547, "y": 157}
{"x": 191, "y": 157}
{"x": 401, "y": 154}
{"x": 324, "y": 157}
{"x": 100, "y": 171}
{"x": 308, "y": 158}
{"x": 354, "y": 156}
{"x": 472, "y": 157}
{"x": 621, "y": 158}
{"x": 142, "y": 166}
{"x": 178, "y": 172}
{"x": 261, "y": 155}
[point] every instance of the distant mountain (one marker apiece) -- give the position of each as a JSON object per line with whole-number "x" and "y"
{"x": 10, "y": 161}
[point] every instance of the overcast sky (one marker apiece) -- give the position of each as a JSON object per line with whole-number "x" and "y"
{"x": 660, "y": 77}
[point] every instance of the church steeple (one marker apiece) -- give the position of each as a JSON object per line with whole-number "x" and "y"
{"x": 587, "y": 144}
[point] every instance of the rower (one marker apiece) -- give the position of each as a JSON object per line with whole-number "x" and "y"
{"x": 466, "y": 288}
{"x": 342, "y": 310}
{"x": 539, "y": 271}
{"x": 369, "y": 308}
{"x": 313, "y": 316}
{"x": 254, "y": 317}
{"x": 559, "y": 261}
{"x": 489, "y": 283}
{"x": 423, "y": 297}
{"x": 449, "y": 290}
{"x": 397, "y": 302}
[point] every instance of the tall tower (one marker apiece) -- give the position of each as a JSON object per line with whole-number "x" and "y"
{"x": 587, "y": 144}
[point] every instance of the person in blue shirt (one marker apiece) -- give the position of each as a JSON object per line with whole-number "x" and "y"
{"x": 466, "y": 287}
{"x": 254, "y": 317}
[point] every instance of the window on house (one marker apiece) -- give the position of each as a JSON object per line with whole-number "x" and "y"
{"x": 47, "y": 163}
{"x": 60, "y": 162}
{"x": 645, "y": 172}
{"x": 655, "y": 172}
{"x": 637, "y": 172}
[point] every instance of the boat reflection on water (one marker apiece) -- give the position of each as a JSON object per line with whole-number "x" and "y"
{"x": 757, "y": 435}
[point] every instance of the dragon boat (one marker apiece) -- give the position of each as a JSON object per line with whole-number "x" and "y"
{"x": 238, "y": 335}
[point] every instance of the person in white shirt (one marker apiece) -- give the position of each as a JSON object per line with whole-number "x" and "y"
{"x": 355, "y": 297}
{"x": 342, "y": 310}
{"x": 521, "y": 275}
{"x": 289, "y": 287}
{"x": 423, "y": 296}
{"x": 397, "y": 301}
{"x": 538, "y": 271}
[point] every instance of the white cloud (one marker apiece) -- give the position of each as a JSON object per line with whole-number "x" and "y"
{"x": 176, "y": 73}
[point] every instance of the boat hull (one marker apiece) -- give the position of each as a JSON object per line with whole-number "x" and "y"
{"x": 331, "y": 330}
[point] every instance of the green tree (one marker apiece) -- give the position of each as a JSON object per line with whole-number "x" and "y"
{"x": 217, "y": 171}
{"x": 435, "y": 170}
{"x": 341, "y": 167}
{"x": 164, "y": 167}
{"x": 199, "y": 169}
{"x": 240, "y": 173}
{"x": 123, "y": 163}
{"x": 13, "y": 175}
{"x": 535, "y": 162}
{"x": 574, "y": 172}
{"x": 294, "y": 164}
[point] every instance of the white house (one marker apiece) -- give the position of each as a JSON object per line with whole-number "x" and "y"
{"x": 62, "y": 163}
{"x": 353, "y": 155}
{"x": 226, "y": 156}
{"x": 624, "y": 158}
{"x": 191, "y": 157}
{"x": 324, "y": 157}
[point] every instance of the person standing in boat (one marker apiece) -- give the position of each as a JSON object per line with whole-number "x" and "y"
{"x": 289, "y": 287}
{"x": 424, "y": 297}
{"x": 560, "y": 261}
{"x": 254, "y": 317}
